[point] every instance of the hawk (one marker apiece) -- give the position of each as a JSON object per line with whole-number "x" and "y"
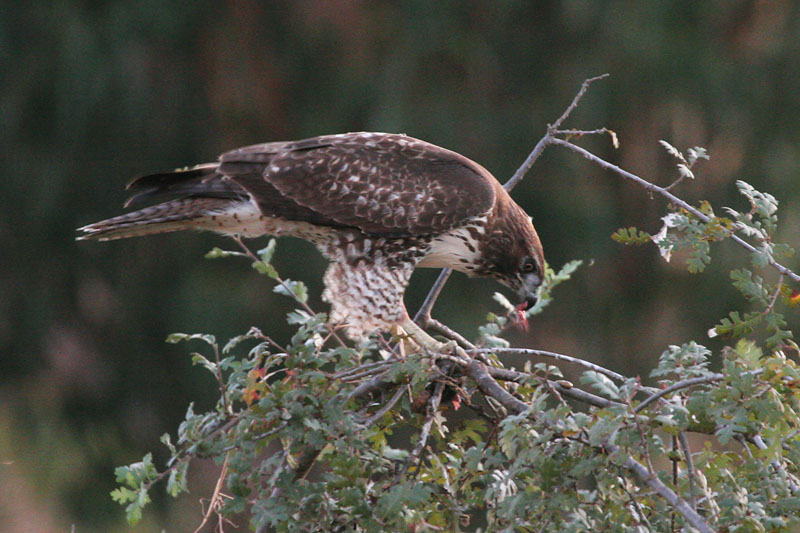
{"x": 377, "y": 205}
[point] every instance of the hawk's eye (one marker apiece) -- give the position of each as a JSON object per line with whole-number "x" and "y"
{"x": 528, "y": 266}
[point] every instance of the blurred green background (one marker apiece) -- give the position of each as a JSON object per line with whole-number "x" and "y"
{"x": 94, "y": 93}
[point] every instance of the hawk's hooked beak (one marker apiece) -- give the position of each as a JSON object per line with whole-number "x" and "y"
{"x": 529, "y": 300}
{"x": 529, "y": 292}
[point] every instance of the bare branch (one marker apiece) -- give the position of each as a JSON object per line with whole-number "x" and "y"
{"x": 638, "y": 508}
{"x": 346, "y": 373}
{"x": 489, "y": 387}
{"x": 702, "y": 380}
{"x": 576, "y": 100}
{"x": 669, "y": 196}
{"x": 552, "y": 130}
{"x": 424, "y": 312}
{"x": 675, "y": 183}
{"x": 581, "y": 133}
{"x": 368, "y": 387}
{"x": 556, "y": 356}
{"x": 655, "y": 484}
{"x": 528, "y": 163}
{"x": 774, "y": 299}
{"x": 569, "y": 391}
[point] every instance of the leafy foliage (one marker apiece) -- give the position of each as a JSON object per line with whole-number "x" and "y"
{"x": 318, "y": 436}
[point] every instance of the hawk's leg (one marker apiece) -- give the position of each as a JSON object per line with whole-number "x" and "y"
{"x": 365, "y": 293}
{"x": 365, "y": 284}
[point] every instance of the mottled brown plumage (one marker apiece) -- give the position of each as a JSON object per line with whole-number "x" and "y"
{"x": 377, "y": 205}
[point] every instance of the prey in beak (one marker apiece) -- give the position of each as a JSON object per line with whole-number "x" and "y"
{"x": 529, "y": 293}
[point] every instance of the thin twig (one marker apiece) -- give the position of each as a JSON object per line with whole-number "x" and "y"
{"x": 424, "y": 312}
{"x": 774, "y": 296}
{"x": 368, "y": 387}
{"x": 221, "y": 381}
{"x": 360, "y": 368}
{"x": 690, "y": 472}
{"x": 679, "y": 504}
{"x": 675, "y": 183}
{"x": 358, "y": 376}
{"x": 551, "y": 131}
{"x": 645, "y": 447}
{"x": 432, "y": 410}
{"x": 634, "y": 502}
{"x": 562, "y": 388}
{"x": 569, "y": 391}
{"x": 213, "y": 505}
{"x": 675, "y": 461}
{"x": 580, "y": 133}
{"x": 383, "y": 410}
{"x": 556, "y": 356}
{"x": 528, "y": 163}
{"x": 576, "y": 100}
{"x": 702, "y": 380}
{"x": 264, "y": 435}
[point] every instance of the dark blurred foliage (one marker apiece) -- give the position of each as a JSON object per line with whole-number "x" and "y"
{"x": 93, "y": 94}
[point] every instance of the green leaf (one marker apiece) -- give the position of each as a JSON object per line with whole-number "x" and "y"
{"x": 136, "y": 476}
{"x": 219, "y": 253}
{"x": 748, "y": 352}
{"x": 176, "y": 482}
{"x": 200, "y": 359}
{"x": 631, "y": 235}
{"x": 738, "y": 326}
{"x": 685, "y": 361}
{"x": 293, "y": 289}
{"x": 752, "y": 287}
{"x": 674, "y": 152}
{"x": 602, "y": 383}
{"x": 693, "y": 154}
{"x": 175, "y": 338}
{"x": 402, "y": 497}
{"x": 235, "y": 341}
{"x": 166, "y": 440}
{"x": 268, "y": 251}
{"x": 123, "y": 495}
{"x": 699, "y": 257}
{"x": 265, "y": 268}
{"x": 764, "y": 204}
{"x": 551, "y": 280}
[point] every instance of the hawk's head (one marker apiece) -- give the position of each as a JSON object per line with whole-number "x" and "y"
{"x": 526, "y": 268}
{"x": 513, "y": 254}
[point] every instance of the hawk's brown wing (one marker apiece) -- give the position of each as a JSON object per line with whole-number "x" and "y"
{"x": 383, "y": 184}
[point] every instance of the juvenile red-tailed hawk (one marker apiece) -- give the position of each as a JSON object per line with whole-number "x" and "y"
{"x": 377, "y": 205}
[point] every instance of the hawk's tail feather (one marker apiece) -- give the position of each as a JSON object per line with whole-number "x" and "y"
{"x": 176, "y": 215}
{"x": 201, "y": 181}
